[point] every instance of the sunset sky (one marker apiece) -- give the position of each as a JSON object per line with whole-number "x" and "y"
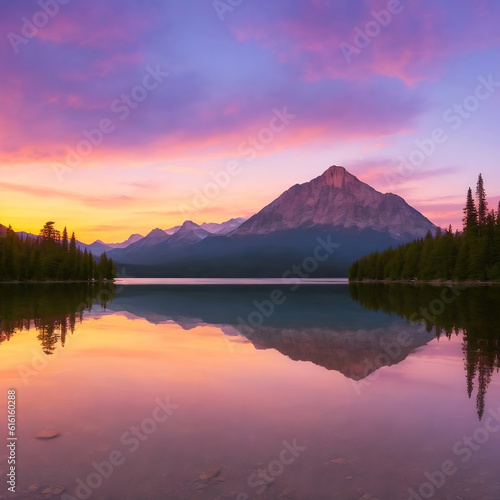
{"x": 117, "y": 116}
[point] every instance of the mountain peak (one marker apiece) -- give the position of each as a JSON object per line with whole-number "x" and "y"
{"x": 152, "y": 238}
{"x": 338, "y": 200}
{"x": 157, "y": 234}
{"x": 336, "y": 177}
{"x": 222, "y": 228}
{"x": 189, "y": 232}
{"x": 189, "y": 224}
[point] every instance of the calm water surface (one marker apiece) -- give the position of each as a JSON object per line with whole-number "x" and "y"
{"x": 282, "y": 391}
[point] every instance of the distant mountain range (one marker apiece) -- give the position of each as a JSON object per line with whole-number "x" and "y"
{"x": 214, "y": 227}
{"x": 23, "y": 234}
{"x": 188, "y": 233}
{"x": 335, "y": 212}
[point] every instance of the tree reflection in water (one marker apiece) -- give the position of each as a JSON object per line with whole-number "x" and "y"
{"x": 321, "y": 325}
{"x": 471, "y": 310}
{"x": 52, "y": 309}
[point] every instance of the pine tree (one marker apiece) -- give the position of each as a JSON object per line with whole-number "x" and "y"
{"x": 463, "y": 259}
{"x": 65, "y": 239}
{"x": 470, "y": 219}
{"x": 482, "y": 204}
{"x": 73, "y": 259}
{"x": 111, "y": 270}
{"x": 91, "y": 267}
{"x": 412, "y": 257}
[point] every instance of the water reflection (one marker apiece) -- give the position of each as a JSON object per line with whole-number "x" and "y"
{"x": 473, "y": 311}
{"x": 243, "y": 385}
{"x": 52, "y": 309}
{"x": 317, "y": 324}
{"x": 323, "y": 325}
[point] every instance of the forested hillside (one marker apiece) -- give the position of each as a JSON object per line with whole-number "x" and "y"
{"x": 472, "y": 254}
{"x": 50, "y": 256}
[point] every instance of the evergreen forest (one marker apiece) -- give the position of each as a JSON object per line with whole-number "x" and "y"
{"x": 471, "y": 254}
{"x": 51, "y": 256}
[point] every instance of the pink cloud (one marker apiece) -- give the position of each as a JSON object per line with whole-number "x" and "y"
{"x": 412, "y": 47}
{"x": 104, "y": 202}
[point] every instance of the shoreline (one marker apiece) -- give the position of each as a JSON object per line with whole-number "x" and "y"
{"x": 401, "y": 282}
{"x": 53, "y": 281}
{"x": 430, "y": 282}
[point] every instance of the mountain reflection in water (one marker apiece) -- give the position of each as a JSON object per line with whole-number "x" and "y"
{"x": 354, "y": 330}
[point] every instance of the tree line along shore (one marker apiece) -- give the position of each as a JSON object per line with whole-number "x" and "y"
{"x": 51, "y": 256}
{"x": 472, "y": 254}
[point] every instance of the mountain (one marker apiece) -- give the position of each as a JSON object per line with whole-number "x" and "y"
{"x": 212, "y": 227}
{"x": 98, "y": 246}
{"x": 199, "y": 232}
{"x": 158, "y": 245}
{"x": 223, "y": 227}
{"x": 154, "y": 237}
{"x": 171, "y": 230}
{"x": 177, "y": 237}
{"x": 334, "y": 213}
{"x": 151, "y": 240}
{"x": 188, "y": 233}
{"x": 336, "y": 199}
{"x": 3, "y": 229}
{"x": 131, "y": 239}
{"x": 220, "y": 228}
{"x": 24, "y": 235}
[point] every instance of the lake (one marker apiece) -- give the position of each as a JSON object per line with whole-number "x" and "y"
{"x": 251, "y": 390}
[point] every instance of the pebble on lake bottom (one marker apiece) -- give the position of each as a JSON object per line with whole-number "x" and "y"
{"x": 48, "y": 434}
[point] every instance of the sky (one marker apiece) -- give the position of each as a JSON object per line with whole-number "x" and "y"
{"x": 120, "y": 116}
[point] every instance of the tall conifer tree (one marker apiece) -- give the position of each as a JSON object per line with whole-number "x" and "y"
{"x": 470, "y": 213}
{"x": 482, "y": 204}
